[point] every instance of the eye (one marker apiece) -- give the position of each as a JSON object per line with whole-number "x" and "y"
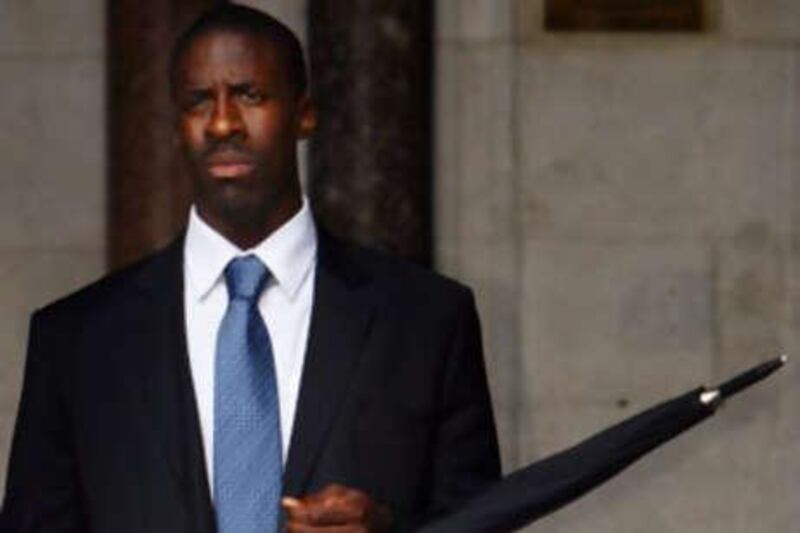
{"x": 251, "y": 95}
{"x": 196, "y": 99}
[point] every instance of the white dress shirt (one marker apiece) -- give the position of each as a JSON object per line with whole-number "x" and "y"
{"x": 290, "y": 254}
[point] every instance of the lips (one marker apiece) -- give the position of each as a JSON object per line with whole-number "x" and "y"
{"x": 229, "y": 170}
{"x": 227, "y": 166}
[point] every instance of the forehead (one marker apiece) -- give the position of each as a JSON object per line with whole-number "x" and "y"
{"x": 229, "y": 56}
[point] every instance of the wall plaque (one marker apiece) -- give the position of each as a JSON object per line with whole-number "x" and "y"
{"x": 624, "y": 15}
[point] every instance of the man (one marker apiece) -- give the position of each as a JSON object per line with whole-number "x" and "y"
{"x": 257, "y": 371}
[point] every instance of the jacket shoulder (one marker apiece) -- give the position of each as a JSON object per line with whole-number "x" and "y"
{"x": 115, "y": 286}
{"x": 403, "y": 278}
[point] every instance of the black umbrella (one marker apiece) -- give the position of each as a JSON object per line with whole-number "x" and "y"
{"x": 543, "y": 487}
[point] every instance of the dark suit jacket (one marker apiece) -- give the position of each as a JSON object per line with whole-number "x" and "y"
{"x": 393, "y": 400}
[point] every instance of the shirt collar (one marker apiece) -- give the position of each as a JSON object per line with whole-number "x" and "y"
{"x": 289, "y": 252}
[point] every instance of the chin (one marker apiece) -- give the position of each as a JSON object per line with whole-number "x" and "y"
{"x": 242, "y": 210}
{"x": 238, "y": 202}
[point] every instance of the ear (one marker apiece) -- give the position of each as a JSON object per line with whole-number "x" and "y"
{"x": 306, "y": 117}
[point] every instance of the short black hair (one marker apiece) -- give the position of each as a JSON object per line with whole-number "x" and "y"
{"x": 241, "y": 19}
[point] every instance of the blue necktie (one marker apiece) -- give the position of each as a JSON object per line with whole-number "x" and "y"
{"x": 247, "y": 436}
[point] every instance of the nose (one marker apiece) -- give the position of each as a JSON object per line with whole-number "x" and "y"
{"x": 225, "y": 121}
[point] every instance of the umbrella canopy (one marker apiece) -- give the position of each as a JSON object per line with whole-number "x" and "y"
{"x": 543, "y": 487}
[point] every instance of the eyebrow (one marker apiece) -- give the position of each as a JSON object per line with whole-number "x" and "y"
{"x": 236, "y": 86}
{"x": 198, "y": 92}
{"x": 242, "y": 86}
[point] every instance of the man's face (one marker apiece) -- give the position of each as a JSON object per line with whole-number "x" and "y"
{"x": 239, "y": 121}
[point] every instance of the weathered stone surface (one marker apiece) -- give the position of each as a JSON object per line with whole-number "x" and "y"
{"x": 52, "y": 153}
{"x": 609, "y": 330}
{"x": 51, "y": 28}
{"x": 754, "y": 316}
{"x": 475, "y": 185}
{"x": 655, "y": 142}
{"x": 475, "y": 20}
{"x": 529, "y": 19}
{"x": 768, "y": 20}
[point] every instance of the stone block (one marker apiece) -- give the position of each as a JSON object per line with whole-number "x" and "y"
{"x": 529, "y": 19}
{"x": 607, "y": 330}
{"x": 661, "y": 140}
{"x": 52, "y": 28}
{"x": 447, "y": 158}
{"x": 754, "y": 301}
{"x": 475, "y": 186}
{"x": 52, "y": 148}
{"x": 768, "y": 20}
{"x": 475, "y": 20}
{"x": 30, "y": 279}
{"x": 794, "y": 134}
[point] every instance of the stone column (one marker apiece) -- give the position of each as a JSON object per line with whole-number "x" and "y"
{"x": 370, "y": 161}
{"x": 148, "y": 191}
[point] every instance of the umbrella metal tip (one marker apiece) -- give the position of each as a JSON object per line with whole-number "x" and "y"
{"x": 784, "y": 359}
{"x": 711, "y": 397}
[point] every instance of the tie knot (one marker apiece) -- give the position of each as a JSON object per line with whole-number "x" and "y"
{"x": 245, "y": 278}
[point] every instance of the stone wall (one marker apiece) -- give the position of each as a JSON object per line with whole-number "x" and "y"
{"x": 51, "y": 169}
{"x": 625, "y": 207}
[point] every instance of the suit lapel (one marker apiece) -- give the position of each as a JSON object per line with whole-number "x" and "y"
{"x": 167, "y": 392}
{"x": 340, "y": 322}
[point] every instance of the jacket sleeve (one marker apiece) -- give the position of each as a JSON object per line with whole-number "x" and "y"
{"x": 466, "y": 457}
{"x": 42, "y": 489}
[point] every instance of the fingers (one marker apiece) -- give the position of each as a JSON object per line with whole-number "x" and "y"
{"x": 293, "y": 527}
{"x": 334, "y": 505}
{"x": 334, "y": 509}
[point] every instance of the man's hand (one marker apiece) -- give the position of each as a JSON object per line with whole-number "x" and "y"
{"x": 336, "y": 509}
